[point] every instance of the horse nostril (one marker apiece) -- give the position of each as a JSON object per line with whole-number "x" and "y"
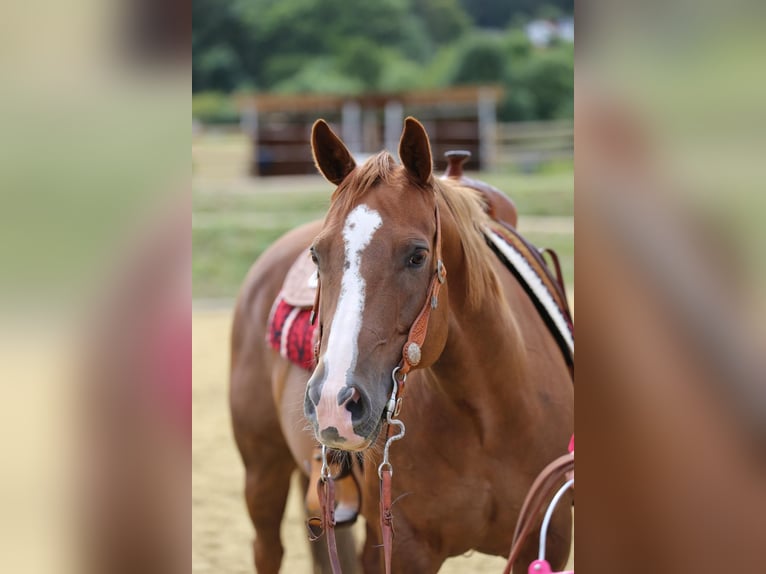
{"x": 354, "y": 404}
{"x": 347, "y": 394}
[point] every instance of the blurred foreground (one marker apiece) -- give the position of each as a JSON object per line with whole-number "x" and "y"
{"x": 670, "y": 384}
{"x": 95, "y": 288}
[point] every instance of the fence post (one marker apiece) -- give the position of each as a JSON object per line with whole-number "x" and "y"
{"x": 393, "y": 117}
{"x": 248, "y": 122}
{"x": 487, "y": 128}
{"x": 351, "y": 126}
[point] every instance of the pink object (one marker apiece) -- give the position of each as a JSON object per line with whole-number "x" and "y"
{"x": 542, "y": 567}
{"x": 571, "y": 444}
{"x": 171, "y": 357}
{"x": 292, "y": 334}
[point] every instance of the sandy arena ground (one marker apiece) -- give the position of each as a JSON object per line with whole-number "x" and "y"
{"x": 221, "y": 530}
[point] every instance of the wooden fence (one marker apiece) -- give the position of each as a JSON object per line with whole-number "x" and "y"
{"x": 530, "y": 144}
{"x": 525, "y": 146}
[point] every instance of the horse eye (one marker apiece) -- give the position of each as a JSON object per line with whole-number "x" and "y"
{"x": 417, "y": 259}
{"x": 314, "y": 257}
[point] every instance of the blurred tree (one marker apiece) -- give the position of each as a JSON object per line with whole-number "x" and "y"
{"x": 517, "y": 45}
{"x": 481, "y": 59}
{"x": 540, "y": 86}
{"x": 214, "y": 107}
{"x": 499, "y": 13}
{"x": 362, "y": 59}
{"x": 320, "y": 75}
{"x": 445, "y": 20}
{"x": 216, "y": 46}
{"x": 332, "y": 46}
{"x": 550, "y": 77}
{"x": 218, "y": 67}
{"x": 291, "y": 30}
{"x": 402, "y": 75}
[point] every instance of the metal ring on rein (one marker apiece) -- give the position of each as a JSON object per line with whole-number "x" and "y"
{"x": 391, "y": 411}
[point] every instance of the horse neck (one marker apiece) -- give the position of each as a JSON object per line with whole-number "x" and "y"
{"x": 485, "y": 362}
{"x": 484, "y": 359}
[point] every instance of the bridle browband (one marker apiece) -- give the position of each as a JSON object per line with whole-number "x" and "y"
{"x": 411, "y": 357}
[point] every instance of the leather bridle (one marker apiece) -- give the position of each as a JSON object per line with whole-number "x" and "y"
{"x": 411, "y": 352}
{"x": 411, "y": 358}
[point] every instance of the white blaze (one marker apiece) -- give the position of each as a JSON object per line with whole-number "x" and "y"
{"x": 342, "y": 349}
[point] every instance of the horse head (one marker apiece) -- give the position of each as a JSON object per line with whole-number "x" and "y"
{"x": 376, "y": 256}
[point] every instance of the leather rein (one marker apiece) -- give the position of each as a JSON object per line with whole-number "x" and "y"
{"x": 411, "y": 356}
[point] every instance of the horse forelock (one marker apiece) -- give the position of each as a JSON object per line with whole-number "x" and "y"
{"x": 465, "y": 205}
{"x": 378, "y": 169}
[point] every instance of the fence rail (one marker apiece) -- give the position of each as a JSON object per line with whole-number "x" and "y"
{"x": 529, "y": 144}
{"x": 525, "y": 146}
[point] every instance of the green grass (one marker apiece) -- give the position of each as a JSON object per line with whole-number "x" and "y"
{"x": 223, "y": 201}
{"x": 539, "y": 194}
{"x": 232, "y": 224}
{"x": 230, "y": 230}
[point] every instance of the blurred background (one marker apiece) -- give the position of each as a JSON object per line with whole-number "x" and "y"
{"x": 494, "y": 77}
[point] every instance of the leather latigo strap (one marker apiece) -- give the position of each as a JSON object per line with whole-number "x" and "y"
{"x": 540, "y": 492}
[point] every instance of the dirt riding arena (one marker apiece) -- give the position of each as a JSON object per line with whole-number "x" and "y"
{"x": 221, "y": 531}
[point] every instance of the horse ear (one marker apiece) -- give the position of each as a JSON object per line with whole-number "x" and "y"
{"x": 415, "y": 150}
{"x": 331, "y": 156}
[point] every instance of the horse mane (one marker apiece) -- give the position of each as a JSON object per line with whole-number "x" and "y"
{"x": 465, "y": 205}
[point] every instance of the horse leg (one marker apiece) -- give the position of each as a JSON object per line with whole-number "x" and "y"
{"x": 262, "y": 445}
{"x": 268, "y": 468}
{"x": 266, "y": 489}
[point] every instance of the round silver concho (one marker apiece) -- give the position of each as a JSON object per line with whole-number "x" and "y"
{"x": 413, "y": 353}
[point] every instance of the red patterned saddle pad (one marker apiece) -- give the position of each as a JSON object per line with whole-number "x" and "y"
{"x": 292, "y": 334}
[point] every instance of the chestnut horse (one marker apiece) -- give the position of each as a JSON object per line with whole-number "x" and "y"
{"x": 488, "y": 405}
